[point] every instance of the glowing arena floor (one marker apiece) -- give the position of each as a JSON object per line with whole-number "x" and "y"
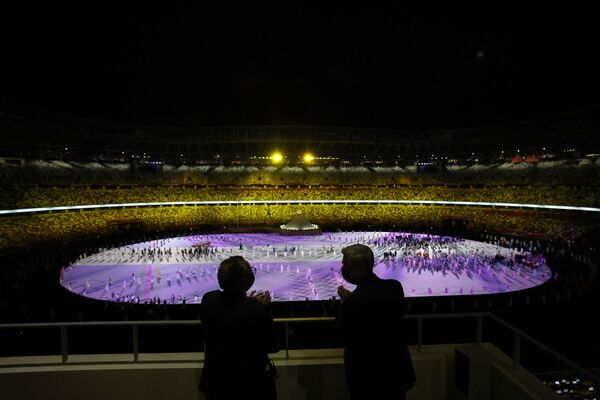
{"x": 300, "y": 267}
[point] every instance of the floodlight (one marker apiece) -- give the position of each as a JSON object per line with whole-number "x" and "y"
{"x": 277, "y": 157}
{"x": 308, "y": 157}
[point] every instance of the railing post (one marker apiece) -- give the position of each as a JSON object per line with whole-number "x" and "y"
{"x": 516, "y": 350}
{"x": 287, "y": 340}
{"x": 479, "y": 329}
{"x": 64, "y": 344}
{"x": 136, "y": 350}
{"x": 419, "y": 333}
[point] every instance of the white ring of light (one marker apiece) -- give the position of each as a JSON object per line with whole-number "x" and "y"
{"x": 273, "y": 202}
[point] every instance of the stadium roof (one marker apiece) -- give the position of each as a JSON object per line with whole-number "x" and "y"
{"x": 35, "y": 134}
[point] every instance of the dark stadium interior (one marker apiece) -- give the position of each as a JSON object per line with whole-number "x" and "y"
{"x": 161, "y": 103}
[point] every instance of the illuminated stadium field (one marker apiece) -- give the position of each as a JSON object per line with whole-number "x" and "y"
{"x": 296, "y": 268}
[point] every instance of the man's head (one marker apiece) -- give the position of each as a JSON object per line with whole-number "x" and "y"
{"x": 357, "y": 262}
{"x": 235, "y": 275}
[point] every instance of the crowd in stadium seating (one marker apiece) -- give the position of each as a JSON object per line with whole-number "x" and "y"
{"x": 20, "y": 197}
{"x": 270, "y": 183}
{"x": 53, "y": 185}
{"x": 18, "y": 231}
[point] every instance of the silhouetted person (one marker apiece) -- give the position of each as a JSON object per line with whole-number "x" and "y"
{"x": 376, "y": 359}
{"x": 238, "y": 332}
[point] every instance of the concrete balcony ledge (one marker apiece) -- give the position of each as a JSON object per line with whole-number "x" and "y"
{"x": 314, "y": 374}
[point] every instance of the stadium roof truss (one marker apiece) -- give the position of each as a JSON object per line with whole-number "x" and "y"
{"x": 30, "y": 134}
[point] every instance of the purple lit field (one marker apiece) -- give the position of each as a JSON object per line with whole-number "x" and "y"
{"x": 301, "y": 267}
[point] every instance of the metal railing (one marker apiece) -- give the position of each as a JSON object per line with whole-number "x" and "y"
{"x": 517, "y": 335}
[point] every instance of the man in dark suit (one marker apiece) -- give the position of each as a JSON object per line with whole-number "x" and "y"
{"x": 238, "y": 333}
{"x": 376, "y": 359}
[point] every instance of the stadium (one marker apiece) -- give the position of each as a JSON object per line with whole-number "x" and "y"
{"x": 111, "y": 226}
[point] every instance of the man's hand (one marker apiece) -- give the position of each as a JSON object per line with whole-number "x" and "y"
{"x": 263, "y": 297}
{"x": 343, "y": 292}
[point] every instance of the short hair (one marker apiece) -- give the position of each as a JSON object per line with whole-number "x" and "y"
{"x": 360, "y": 256}
{"x": 235, "y": 273}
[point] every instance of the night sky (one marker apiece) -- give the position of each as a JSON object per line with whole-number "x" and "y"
{"x": 388, "y": 67}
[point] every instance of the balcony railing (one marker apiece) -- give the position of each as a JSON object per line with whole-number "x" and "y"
{"x": 518, "y": 336}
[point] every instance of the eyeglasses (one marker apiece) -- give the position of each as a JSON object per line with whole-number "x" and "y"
{"x": 253, "y": 270}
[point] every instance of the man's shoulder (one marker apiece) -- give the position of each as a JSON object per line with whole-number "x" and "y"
{"x": 395, "y": 286}
{"x": 388, "y": 283}
{"x": 385, "y": 288}
{"x": 393, "y": 283}
{"x": 210, "y": 296}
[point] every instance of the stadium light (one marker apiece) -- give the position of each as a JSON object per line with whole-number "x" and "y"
{"x": 276, "y": 157}
{"x": 308, "y": 158}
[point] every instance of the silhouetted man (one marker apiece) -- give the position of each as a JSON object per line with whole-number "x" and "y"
{"x": 376, "y": 359}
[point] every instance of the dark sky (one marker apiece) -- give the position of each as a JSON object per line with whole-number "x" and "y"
{"x": 387, "y": 67}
